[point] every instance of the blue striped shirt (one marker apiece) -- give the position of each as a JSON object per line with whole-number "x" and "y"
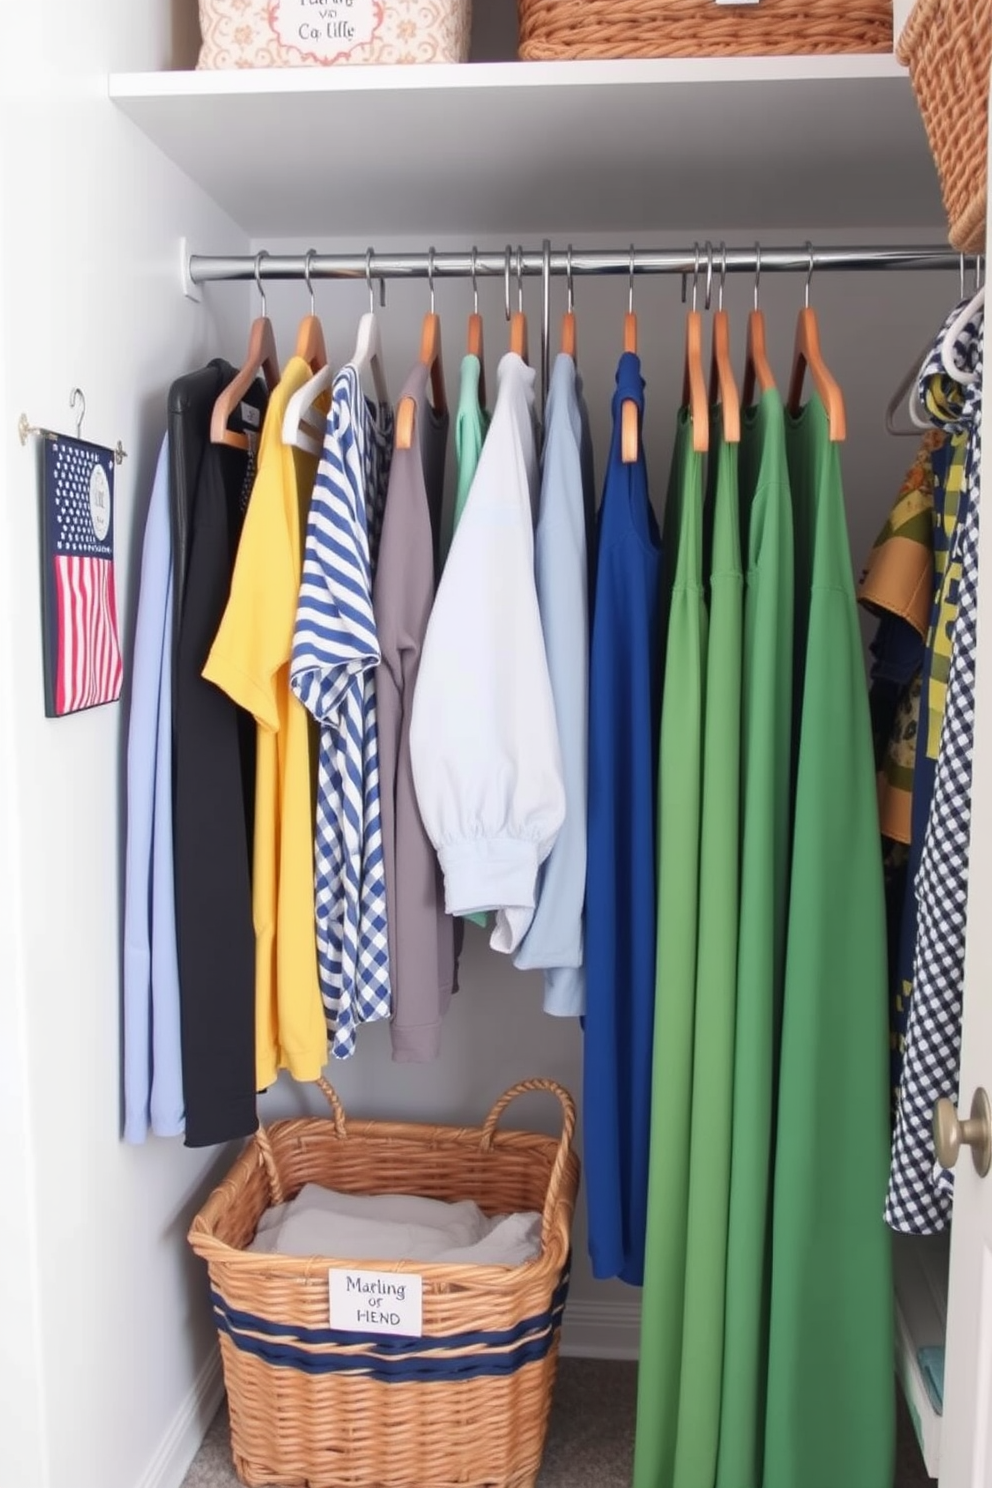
{"x": 335, "y": 653}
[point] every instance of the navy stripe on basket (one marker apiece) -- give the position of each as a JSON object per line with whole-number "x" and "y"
{"x": 390, "y": 1359}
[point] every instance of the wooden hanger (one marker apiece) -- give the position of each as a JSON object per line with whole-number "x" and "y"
{"x": 694, "y": 395}
{"x": 518, "y": 320}
{"x": 262, "y": 357}
{"x": 310, "y": 337}
{"x": 569, "y": 337}
{"x": 430, "y": 356}
{"x": 808, "y": 355}
{"x": 629, "y": 441}
{"x": 723, "y": 385}
{"x": 757, "y": 367}
{"x": 476, "y": 346}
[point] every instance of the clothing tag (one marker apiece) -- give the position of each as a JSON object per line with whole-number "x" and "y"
{"x": 250, "y": 416}
{"x": 377, "y": 1302}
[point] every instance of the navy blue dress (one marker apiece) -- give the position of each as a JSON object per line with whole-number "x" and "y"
{"x": 621, "y": 897}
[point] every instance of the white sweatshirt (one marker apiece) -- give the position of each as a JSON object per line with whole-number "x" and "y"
{"x": 483, "y": 738}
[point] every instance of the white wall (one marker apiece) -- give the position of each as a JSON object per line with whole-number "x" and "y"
{"x": 105, "y": 1329}
{"x": 21, "y": 1413}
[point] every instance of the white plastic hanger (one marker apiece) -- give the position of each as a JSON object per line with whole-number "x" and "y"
{"x": 300, "y": 430}
{"x": 367, "y": 355}
{"x": 907, "y": 394}
{"x": 976, "y": 303}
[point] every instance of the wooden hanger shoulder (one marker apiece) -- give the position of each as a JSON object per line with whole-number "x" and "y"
{"x": 808, "y": 356}
{"x": 694, "y": 394}
{"x": 629, "y": 411}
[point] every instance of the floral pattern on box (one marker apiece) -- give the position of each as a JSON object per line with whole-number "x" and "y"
{"x": 323, "y": 33}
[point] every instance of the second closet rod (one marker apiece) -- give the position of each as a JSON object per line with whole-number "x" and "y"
{"x": 529, "y": 262}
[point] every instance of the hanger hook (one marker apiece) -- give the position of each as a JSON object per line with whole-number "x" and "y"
{"x": 757, "y": 273}
{"x": 961, "y": 274}
{"x": 809, "y": 272}
{"x": 569, "y": 286}
{"x": 78, "y": 396}
{"x": 258, "y": 280}
{"x": 695, "y": 276}
{"x": 506, "y": 279}
{"x": 709, "y": 275}
{"x": 520, "y": 279}
{"x": 475, "y": 281}
{"x": 430, "y": 275}
{"x": 630, "y": 283}
{"x": 723, "y": 276}
{"x": 979, "y": 271}
{"x": 311, "y": 255}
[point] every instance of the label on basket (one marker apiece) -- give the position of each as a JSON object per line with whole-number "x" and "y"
{"x": 326, "y": 30}
{"x": 377, "y": 1302}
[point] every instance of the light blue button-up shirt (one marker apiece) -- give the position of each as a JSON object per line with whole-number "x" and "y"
{"x": 153, "y": 1076}
{"x": 554, "y": 941}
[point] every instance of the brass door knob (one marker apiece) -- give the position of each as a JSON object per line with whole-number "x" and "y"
{"x": 951, "y": 1134}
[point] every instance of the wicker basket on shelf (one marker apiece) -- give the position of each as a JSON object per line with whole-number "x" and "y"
{"x": 947, "y": 46}
{"x": 467, "y": 1403}
{"x": 554, "y": 29}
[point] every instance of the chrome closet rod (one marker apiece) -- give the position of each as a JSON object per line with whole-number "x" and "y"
{"x": 205, "y": 268}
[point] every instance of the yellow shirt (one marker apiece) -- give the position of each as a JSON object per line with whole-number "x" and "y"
{"x": 249, "y": 660}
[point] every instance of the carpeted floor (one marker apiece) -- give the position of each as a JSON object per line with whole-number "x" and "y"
{"x": 589, "y": 1442}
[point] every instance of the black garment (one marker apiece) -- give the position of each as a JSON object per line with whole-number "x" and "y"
{"x": 214, "y": 764}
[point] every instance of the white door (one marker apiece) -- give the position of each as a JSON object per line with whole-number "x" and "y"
{"x": 966, "y": 1436}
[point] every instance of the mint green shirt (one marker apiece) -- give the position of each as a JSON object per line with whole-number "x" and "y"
{"x": 471, "y": 428}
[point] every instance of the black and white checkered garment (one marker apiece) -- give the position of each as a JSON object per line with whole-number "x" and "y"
{"x": 920, "y": 1192}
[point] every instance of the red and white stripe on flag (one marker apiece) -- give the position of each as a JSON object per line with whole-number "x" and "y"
{"x": 89, "y": 670}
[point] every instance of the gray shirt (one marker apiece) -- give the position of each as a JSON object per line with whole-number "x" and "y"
{"x": 421, "y": 935}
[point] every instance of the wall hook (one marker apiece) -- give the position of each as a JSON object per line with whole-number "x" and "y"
{"x": 78, "y": 396}
{"x": 25, "y": 429}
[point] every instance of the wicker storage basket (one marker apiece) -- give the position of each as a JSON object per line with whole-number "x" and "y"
{"x": 552, "y": 29}
{"x": 464, "y": 1406}
{"x": 300, "y": 33}
{"x": 947, "y": 45}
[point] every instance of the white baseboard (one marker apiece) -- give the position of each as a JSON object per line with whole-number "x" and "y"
{"x": 601, "y": 1330}
{"x": 189, "y": 1426}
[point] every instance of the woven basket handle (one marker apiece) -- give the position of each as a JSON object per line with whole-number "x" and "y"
{"x": 564, "y": 1145}
{"x": 264, "y": 1144}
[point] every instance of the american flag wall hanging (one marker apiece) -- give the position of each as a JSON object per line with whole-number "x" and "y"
{"x": 79, "y": 620}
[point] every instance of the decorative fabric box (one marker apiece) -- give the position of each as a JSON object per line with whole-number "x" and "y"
{"x": 321, "y": 33}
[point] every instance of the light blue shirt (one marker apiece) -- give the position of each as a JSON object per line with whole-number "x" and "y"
{"x": 554, "y": 941}
{"x": 153, "y": 1075}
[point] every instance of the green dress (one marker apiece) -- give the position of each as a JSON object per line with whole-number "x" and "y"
{"x": 716, "y": 984}
{"x": 679, "y": 801}
{"x": 830, "y": 1409}
{"x": 766, "y": 761}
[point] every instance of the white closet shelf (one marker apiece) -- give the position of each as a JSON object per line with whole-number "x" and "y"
{"x": 532, "y": 148}
{"x": 920, "y": 1265}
